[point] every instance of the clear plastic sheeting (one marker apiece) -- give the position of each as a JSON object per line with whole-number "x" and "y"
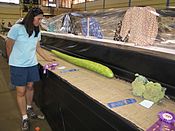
{"x": 74, "y": 22}
{"x": 108, "y": 24}
{"x": 53, "y": 24}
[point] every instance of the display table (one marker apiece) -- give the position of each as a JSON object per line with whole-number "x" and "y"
{"x": 76, "y": 101}
{"x": 125, "y": 59}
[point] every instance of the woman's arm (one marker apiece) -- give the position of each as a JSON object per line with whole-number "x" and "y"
{"x": 9, "y": 46}
{"x": 41, "y": 52}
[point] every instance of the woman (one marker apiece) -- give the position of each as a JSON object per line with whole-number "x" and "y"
{"x": 22, "y": 45}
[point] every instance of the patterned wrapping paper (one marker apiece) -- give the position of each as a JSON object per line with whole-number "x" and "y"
{"x": 94, "y": 27}
{"x": 142, "y": 25}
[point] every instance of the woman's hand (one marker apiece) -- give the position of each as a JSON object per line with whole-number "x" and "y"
{"x": 45, "y": 56}
{"x": 49, "y": 59}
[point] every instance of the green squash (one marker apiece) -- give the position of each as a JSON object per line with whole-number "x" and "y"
{"x": 90, "y": 65}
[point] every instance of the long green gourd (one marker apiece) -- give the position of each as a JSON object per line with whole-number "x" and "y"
{"x": 93, "y": 66}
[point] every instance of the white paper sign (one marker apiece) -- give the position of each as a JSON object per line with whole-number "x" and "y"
{"x": 146, "y": 103}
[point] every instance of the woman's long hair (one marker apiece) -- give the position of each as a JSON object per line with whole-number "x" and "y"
{"x": 28, "y": 21}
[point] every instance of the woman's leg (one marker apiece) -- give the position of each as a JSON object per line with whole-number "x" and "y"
{"x": 29, "y": 93}
{"x": 21, "y": 99}
{"x": 29, "y": 98}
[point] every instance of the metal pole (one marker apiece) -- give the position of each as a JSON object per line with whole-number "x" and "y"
{"x": 88, "y": 26}
{"x": 167, "y": 3}
{"x": 129, "y": 4}
{"x": 104, "y": 4}
{"x": 72, "y": 1}
{"x": 85, "y": 8}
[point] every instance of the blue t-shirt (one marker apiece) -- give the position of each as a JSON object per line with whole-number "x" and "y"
{"x": 24, "y": 50}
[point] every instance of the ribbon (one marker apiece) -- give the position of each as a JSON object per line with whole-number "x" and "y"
{"x": 165, "y": 122}
{"x": 69, "y": 70}
{"x": 51, "y": 66}
{"x": 167, "y": 117}
{"x": 121, "y": 103}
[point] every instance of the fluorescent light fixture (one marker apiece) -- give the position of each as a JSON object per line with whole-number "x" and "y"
{"x": 10, "y": 1}
{"x": 52, "y": 5}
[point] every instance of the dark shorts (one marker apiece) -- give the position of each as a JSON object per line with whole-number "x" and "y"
{"x": 21, "y": 75}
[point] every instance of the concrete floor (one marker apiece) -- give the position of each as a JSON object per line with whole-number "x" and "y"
{"x": 9, "y": 113}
